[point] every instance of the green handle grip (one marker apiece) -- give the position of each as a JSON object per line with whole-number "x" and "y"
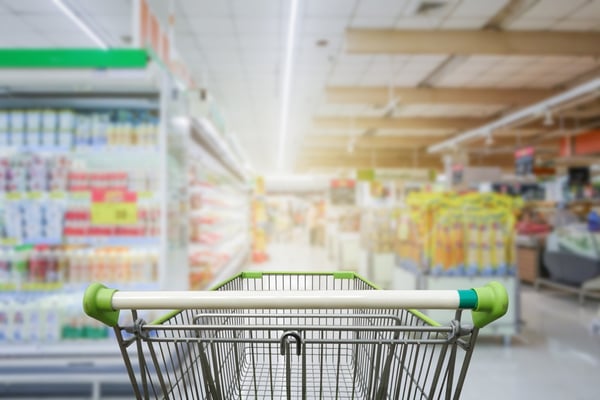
{"x": 492, "y": 303}
{"x": 97, "y": 303}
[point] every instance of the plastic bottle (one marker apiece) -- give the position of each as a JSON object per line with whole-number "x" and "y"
{"x": 4, "y": 267}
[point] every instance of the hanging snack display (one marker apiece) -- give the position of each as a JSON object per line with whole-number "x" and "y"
{"x": 448, "y": 234}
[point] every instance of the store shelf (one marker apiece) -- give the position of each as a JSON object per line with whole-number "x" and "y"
{"x": 231, "y": 268}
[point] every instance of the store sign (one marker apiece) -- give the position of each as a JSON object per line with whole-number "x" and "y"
{"x": 457, "y": 174}
{"x": 524, "y": 161}
{"x": 114, "y": 207}
{"x": 343, "y": 192}
{"x": 153, "y": 36}
{"x": 365, "y": 175}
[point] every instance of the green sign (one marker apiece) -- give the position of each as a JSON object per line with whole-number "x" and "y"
{"x": 73, "y": 58}
{"x": 367, "y": 175}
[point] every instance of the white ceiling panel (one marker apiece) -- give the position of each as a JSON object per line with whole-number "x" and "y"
{"x": 213, "y": 25}
{"x": 343, "y": 80}
{"x": 530, "y": 24}
{"x": 378, "y": 8}
{"x": 105, "y": 7}
{"x": 380, "y": 22}
{"x": 320, "y": 25}
{"x": 56, "y": 23}
{"x": 258, "y": 25}
{"x": 28, "y": 40}
{"x": 373, "y": 79}
{"x": 32, "y": 6}
{"x": 590, "y": 10}
{"x": 464, "y": 23}
{"x": 218, "y": 43}
{"x": 408, "y": 79}
{"x": 259, "y": 43}
{"x": 329, "y": 8}
{"x": 418, "y": 22}
{"x": 354, "y": 60}
{"x": 69, "y": 40}
{"x": 13, "y": 24}
{"x": 478, "y": 8}
{"x": 205, "y": 8}
{"x": 257, "y": 8}
{"x": 553, "y": 8}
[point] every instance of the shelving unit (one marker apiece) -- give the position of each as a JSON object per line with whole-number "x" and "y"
{"x": 219, "y": 203}
{"x": 86, "y": 183}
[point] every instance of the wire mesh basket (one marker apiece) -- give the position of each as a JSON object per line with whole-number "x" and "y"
{"x": 296, "y": 336}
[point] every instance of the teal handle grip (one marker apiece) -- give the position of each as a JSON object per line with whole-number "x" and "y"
{"x": 97, "y": 303}
{"x": 492, "y": 303}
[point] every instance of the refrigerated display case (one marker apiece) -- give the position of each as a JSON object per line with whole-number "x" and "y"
{"x": 85, "y": 188}
{"x": 219, "y": 201}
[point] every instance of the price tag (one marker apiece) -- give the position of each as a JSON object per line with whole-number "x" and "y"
{"x": 57, "y": 195}
{"x": 13, "y": 196}
{"x": 114, "y": 207}
{"x": 80, "y": 195}
{"x": 34, "y": 195}
{"x": 145, "y": 195}
{"x": 114, "y": 214}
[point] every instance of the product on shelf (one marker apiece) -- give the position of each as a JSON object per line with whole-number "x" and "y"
{"x": 44, "y": 267}
{"x": 218, "y": 222}
{"x": 377, "y": 230}
{"x": 64, "y": 129}
{"x": 446, "y": 234}
{"x": 349, "y": 221}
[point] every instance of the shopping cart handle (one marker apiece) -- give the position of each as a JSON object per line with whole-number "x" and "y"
{"x": 492, "y": 303}
{"x": 488, "y": 303}
{"x": 97, "y": 303}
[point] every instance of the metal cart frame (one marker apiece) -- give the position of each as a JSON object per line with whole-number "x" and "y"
{"x": 290, "y": 335}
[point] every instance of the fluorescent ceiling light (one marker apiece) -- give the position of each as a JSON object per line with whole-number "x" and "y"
{"x": 287, "y": 82}
{"x": 537, "y": 109}
{"x": 411, "y": 8}
{"x": 82, "y": 25}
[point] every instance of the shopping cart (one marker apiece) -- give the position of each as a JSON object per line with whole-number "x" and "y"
{"x": 300, "y": 336}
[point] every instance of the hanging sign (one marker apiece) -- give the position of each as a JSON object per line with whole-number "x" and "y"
{"x": 343, "y": 192}
{"x": 114, "y": 207}
{"x": 524, "y": 161}
{"x": 457, "y": 174}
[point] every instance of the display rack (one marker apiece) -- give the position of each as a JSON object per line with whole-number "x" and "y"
{"x": 219, "y": 198}
{"x": 85, "y": 196}
{"x": 377, "y": 238}
{"x": 447, "y": 241}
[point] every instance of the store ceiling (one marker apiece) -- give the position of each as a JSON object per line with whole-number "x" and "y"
{"x": 341, "y": 97}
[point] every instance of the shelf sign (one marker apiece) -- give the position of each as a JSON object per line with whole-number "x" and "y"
{"x": 114, "y": 207}
{"x": 365, "y": 175}
{"x": 457, "y": 174}
{"x": 342, "y": 192}
{"x": 150, "y": 34}
{"x": 524, "y": 161}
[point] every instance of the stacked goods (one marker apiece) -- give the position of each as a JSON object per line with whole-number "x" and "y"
{"x": 470, "y": 235}
{"x": 65, "y": 129}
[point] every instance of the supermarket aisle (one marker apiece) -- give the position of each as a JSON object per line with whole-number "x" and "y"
{"x": 293, "y": 256}
{"x": 556, "y": 357}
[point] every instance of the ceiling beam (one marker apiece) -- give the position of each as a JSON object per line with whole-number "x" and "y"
{"x": 368, "y": 162}
{"x": 370, "y": 142}
{"x": 408, "y": 123}
{"x": 380, "y": 96}
{"x": 459, "y": 42}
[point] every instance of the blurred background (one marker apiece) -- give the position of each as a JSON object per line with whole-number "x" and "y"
{"x": 424, "y": 144}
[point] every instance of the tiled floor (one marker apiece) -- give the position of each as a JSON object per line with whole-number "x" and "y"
{"x": 556, "y": 356}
